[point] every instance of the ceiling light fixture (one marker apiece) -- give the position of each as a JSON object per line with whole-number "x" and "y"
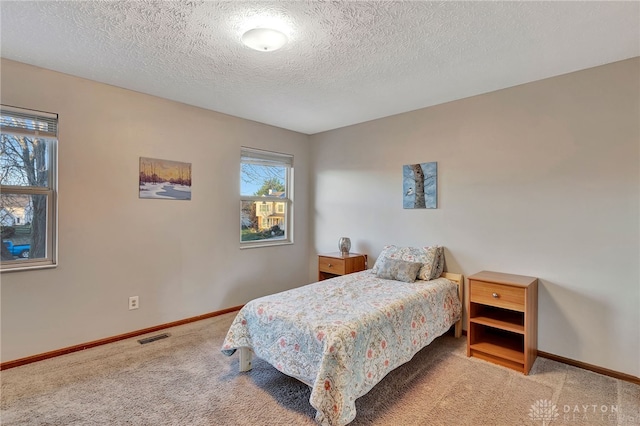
{"x": 264, "y": 39}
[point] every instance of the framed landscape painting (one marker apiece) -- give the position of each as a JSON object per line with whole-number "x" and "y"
{"x": 165, "y": 179}
{"x": 420, "y": 186}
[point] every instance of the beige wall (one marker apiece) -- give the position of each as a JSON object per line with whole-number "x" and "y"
{"x": 181, "y": 257}
{"x": 540, "y": 179}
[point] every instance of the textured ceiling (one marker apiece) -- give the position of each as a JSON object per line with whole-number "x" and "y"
{"x": 346, "y": 61}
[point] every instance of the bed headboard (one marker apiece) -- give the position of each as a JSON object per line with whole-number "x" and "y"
{"x": 459, "y": 280}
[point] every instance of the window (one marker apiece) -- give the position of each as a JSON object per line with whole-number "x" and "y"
{"x": 266, "y": 201}
{"x": 27, "y": 188}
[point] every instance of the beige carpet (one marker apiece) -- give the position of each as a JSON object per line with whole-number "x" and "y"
{"x": 185, "y": 380}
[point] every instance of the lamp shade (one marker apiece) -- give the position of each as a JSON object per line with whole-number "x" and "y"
{"x": 264, "y": 39}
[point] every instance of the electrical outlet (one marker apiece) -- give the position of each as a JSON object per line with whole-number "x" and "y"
{"x": 134, "y": 302}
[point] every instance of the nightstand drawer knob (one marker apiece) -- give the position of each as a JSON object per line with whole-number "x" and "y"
{"x": 329, "y": 265}
{"x": 495, "y": 295}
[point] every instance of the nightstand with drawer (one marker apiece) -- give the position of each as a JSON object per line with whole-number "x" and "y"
{"x": 502, "y": 326}
{"x": 331, "y": 265}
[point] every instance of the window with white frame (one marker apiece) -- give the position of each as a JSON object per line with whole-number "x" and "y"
{"x": 28, "y": 193}
{"x": 266, "y": 201}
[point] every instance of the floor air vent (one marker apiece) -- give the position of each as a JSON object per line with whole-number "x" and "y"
{"x": 153, "y": 338}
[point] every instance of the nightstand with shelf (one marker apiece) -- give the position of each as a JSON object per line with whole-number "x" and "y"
{"x": 331, "y": 265}
{"x": 502, "y": 325}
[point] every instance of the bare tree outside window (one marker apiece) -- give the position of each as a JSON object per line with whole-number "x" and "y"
{"x": 265, "y": 197}
{"x": 26, "y": 179}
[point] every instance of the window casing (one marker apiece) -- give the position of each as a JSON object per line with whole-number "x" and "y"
{"x": 266, "y": 198}
{"x": 28, "y": 188}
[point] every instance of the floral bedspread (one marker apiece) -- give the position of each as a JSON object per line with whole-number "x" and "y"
{"x": 342, "y": 336}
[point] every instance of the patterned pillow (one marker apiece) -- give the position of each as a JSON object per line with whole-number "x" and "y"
{"x": 399, "y": 270}
{"x": 427, "y": 256}
{"x": 440, "y": 264}
{"x": 391, "y": 252}
{"x": 429, "y": 260}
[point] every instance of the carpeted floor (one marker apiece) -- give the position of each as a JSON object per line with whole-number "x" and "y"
{"x": 185, "y": 380}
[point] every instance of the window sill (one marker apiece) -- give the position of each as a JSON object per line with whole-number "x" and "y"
{"x": 31, "y": 267}
{"x": 244, "y": 246}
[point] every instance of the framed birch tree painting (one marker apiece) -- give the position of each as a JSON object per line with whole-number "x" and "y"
{"x": 420, "y": 186}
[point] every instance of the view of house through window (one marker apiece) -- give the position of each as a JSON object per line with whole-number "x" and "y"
{"x": 265, "y": 193}
{"x": 28, "y": 141}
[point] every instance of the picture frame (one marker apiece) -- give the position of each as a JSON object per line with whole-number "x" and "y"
{"x": 420, "y": 186}
{"x": 164, "y": 179}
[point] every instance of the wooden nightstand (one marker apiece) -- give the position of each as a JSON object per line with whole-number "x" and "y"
{"x": 334, "y": 264}
{"x": 503, "y": 327}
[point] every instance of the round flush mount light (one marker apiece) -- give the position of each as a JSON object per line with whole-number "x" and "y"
{"x": 264, "y": 39}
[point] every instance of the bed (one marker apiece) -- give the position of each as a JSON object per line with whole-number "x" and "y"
{"x": 343, "y": 335}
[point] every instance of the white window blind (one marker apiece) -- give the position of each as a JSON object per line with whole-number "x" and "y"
{"x": 29, "y": 122}
{"x": 265, "y": 158}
